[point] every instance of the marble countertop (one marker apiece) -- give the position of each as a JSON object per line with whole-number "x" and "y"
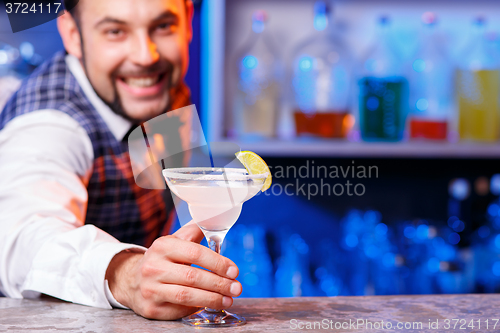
{"x": 333, "y": 314}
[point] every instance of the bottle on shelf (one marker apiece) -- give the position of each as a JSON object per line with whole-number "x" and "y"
{"x": 430, "y": 86}
{"x": 256, "y": 105}
{"x": 383, "y": 91}
{"x": 478, "y": 87}
{"x": 292, "y": 277}
{"x": 321, "y": 80}
{"x": 248, "y": 248}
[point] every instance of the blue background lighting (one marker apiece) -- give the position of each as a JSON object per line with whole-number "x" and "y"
{"x": 250, "y": 62}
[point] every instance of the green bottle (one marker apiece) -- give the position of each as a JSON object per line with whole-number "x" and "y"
{"x": 383, "y": 98}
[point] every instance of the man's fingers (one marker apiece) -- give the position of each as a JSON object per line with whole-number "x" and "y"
{"x": 201, "y": 279}
{"x": 180, "y": 251}
{"x": 190, "y": 232}
{"x": 190, "y": 297}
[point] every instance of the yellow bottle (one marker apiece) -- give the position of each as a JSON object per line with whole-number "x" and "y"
{"x": 478, "y": 87}
{"x": 479, "y": 118}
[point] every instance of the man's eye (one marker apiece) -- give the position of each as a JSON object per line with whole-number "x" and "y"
{"x": 114, "y": 32}
{"x": 164, "y": 26}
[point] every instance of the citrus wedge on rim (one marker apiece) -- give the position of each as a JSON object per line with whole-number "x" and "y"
{"x": 255, "y": 165}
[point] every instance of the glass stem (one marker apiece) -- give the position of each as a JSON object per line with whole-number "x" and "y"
{"x": 214, "y": 243}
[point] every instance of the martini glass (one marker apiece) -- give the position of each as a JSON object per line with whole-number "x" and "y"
{"x": 215, "y": 197}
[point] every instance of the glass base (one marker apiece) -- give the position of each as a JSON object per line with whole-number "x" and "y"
{"x": 213, "y": 318}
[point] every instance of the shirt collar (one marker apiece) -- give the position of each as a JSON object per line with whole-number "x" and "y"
{"x": 118, "y": 125}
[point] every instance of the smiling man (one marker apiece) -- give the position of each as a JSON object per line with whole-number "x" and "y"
{"x": 74, "y": 224}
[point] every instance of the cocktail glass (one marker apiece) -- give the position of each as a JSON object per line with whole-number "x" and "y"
{"x": 215, "y": 197}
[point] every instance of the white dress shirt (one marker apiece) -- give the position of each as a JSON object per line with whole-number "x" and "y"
{"x": 46, "y": 161}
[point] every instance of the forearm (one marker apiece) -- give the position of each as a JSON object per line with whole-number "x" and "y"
{"x": 65, "y": 262}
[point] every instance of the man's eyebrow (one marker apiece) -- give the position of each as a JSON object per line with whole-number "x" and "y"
{"x": 166, "y": 15}
{"x": 108, "y": 19}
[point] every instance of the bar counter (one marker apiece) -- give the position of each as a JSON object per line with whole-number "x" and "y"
{"x": 274, "y": 315}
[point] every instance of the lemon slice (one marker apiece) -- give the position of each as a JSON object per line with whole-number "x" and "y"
{"x": 255, "y": 165}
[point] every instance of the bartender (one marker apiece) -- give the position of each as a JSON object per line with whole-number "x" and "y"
{"x": 73, "y": 223}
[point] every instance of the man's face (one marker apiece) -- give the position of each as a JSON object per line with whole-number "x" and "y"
{"x": 135, "y": 52}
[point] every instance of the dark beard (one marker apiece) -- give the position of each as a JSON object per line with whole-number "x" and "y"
{"x": 117, "y": 107}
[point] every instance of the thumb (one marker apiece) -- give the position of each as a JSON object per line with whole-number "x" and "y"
{"x": 190, "y": 232}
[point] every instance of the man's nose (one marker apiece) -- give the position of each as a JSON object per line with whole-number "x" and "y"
{"x": 144, "y": 52}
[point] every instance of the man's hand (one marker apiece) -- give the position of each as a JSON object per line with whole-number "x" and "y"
{"x": 160, "y": 284}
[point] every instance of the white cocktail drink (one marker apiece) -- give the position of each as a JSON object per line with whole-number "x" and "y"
{"x": 215, "y": 197}
{"x": 216, "y": 208}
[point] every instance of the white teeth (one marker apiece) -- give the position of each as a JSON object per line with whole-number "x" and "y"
{"x": 142, "y": 82}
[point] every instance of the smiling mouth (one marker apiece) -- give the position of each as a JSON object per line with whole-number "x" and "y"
{"x": 142, "y": 81}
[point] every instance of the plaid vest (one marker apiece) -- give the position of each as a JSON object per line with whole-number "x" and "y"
{"x": 115, "y": 203}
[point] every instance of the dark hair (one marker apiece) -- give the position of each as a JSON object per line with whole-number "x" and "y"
{"x": 72, "y": 8}
{"x": 70, "y": 5}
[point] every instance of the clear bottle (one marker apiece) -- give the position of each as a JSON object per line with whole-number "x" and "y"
{"x": 256, "y": 105}
{"x": 430, "y": 86}
{"x": 478, "y": 84}
{"x": 292, "y": 277}
{"x": 321, "y": 81}
{"x": 383, "y": 91}
{"x": 249, "y": 251}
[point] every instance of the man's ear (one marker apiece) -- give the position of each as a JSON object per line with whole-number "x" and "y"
{"x": 189, "y": 19}
{"x": 70, "y": 34}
